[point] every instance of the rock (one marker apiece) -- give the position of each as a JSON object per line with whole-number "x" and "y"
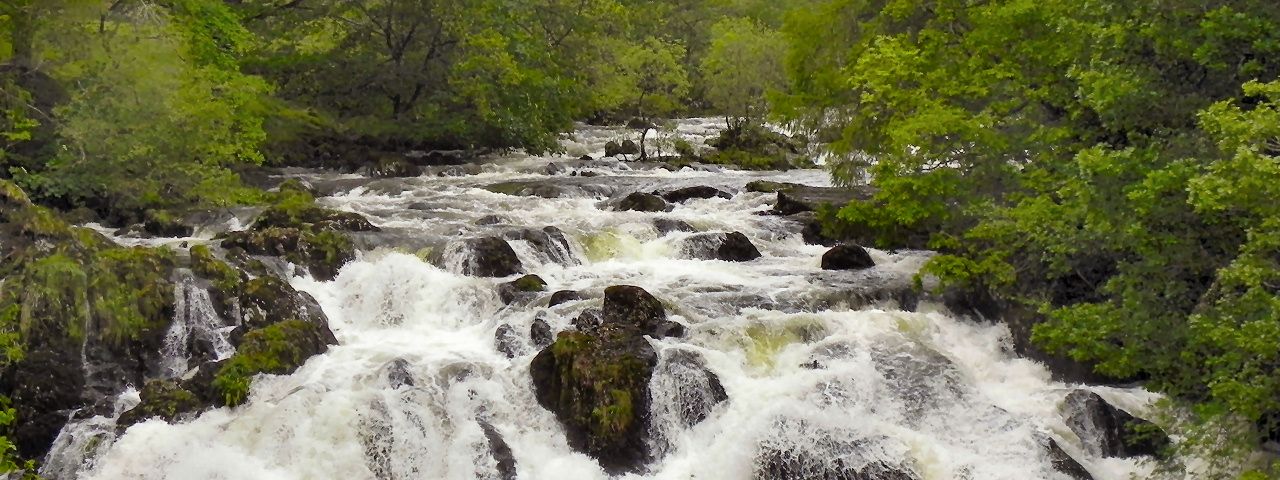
{"x": 795, "y": 198}
{"x": 163, "y": 399}
{"x": 612, "y": 149}
{"x": 507, "y": 341}
{"x": 278, "y": 349}
{"x": 45, "y": 387}
{"x": 393, "y": 167}
{"x": 826, "y": 454}
{"x": 668, "y": 225}
{"x": 519, "y": 288}
{"x": 702, "y": 191}
{"x": 586, "y": 158}
{"x": 694, "y": 390}
{"x": 491, "y": 220}
{"x": 322, "y": 254}
{"x": 296, "y": 185}
{"x": 268, "y": 300}
{"x": 550, "y": 243}
{"x": 500, "y": 451}
{"x": 642, "y": 202}
{"x": 629, "y": 147}
{"x": 1063, "y": 462}
{"x": 563, "y": 296}
{"x": 588, "y": 321}
{"x": 730, "y": 247}
{"x": 490, "y": 257}
{"x": 529, "y": 189}
{"x": 847, "y": 257}
{"x": 811, "y": 229}
{"x": 633, "y": 306}
{"x": 1110, "y": 432}
{"x": 540, "y": 333}
{"x": 398, "y": 373}
{"x": 765, "y": 186}
{"x": 165, "y": 224}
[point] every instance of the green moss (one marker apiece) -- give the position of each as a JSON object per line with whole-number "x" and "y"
{"x": 615, "y": 416}
{"x": 131, "y": 291}
{"x": 225, "y": 279}
{"x": 277, "y": 349}
{"x": 530, "y": 283}
{"x": 164, "y": 399}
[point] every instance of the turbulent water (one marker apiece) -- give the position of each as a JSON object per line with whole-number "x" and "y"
{"x": 417, "y": 386}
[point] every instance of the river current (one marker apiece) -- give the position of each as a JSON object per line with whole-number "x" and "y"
{"x": 811, "y": 360}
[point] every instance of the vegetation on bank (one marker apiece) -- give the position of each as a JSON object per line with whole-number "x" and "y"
{"x": 1110, "y": 164}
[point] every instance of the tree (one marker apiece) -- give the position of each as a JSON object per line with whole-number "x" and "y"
{"x": 743, "y": 65}
{"x": 657, "y": 81}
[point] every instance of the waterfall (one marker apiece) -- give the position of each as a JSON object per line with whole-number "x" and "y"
{"x": 786, "y": 371}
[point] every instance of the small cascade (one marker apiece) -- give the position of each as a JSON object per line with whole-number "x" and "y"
{"x": 82, "y": 442}
{"x": 197, "y": 332}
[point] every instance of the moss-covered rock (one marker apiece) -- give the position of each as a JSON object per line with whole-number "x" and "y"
{"x": 596, "y": 381}
{"x": 163, "y": 223}
{"x": 164, "y": 399}
{"x": 322, "y": 252}
{"x": 277, "y": 349}
{"x": 522, "y": 287}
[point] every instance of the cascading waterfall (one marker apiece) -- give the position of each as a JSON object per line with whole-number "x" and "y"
{"x": 817, "y": 372}
{"x": 197, "y": 329}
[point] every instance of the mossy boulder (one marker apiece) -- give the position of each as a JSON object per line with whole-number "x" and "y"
{"x": 322, "y": 252}
{"x": 278, "y": 349}
{"x": 597, "y": 381}
{"x": 521, "y": 288}
{"x": 163, "y": 223}
{"x": 164, "y": 399}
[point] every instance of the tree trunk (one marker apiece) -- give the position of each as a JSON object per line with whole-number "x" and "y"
{"x": 644, "y": 133}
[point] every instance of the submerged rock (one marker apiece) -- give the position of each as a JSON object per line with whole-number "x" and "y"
{"x": 564, "y": 296}
{"x": 692, "y": 389}
{"x": 500, "y": 451}
{"x": 688, "y": 193}
{"x": 847, "y": 257}
{"x": 540, "y": 333}
{"x": 668, "y": 225}
{"x": 1063, "y": 462}
{"x": 828, "y": 455}
{"x": 507, "y": 341}
{"x": 642, "y": 202}
{"x": 550, "y": 243}
{"x": 730, "y": 247}
{"x": 1109, "y": 431}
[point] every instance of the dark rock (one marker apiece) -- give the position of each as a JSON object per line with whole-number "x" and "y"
{"x": 540, "y": 333}
{"x": 642, "y": 202}
{"x": 588, "y": 321}
{"x": 1110, "y": 432}
{"x": 296, "y": 185}
{"x": 321, "y": 253}
{"x": 279, "y": 349}
{"x": 398, "y": 373}
{"x": 702, "y": 191}
{"x": 550, "y": 243}
{"x": 629, "y": 147}
{"x": 529, "y": 189}
{"x": 164, "y": 399}
{"x": 668, "y": 225}
{"x": 1063, "y": 462}
{"x": 521, "y": 288}
{"x": 793, "y": 198}
{"x": 500, "y": 451}
{"x": 44, "y": 389}
{"x": 393, "y": 167}
{"x": 637, "y": 123}
{"x": 825, "y": 455}
{"x": 847, "y": 257}
{"x": 633, "y": 306}
{"x": 811, "y": 229}
{"x": 612, "y": 149}
{"x": 730, "y": 247}
{"x": 265, "y": 301}
{"x": 563, "y": 296}
{"x": 586, "y": 158}
{"x": 507, "y": 341}
{"x": 165, "y": 224}
{"x": 491, "y": 220}
{"x": 490, "y": 257}
{"x": 697, "y": 390}
{"x": 765, "y": 186}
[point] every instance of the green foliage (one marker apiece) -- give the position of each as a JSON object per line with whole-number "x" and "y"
{"x": 1097, "y": 162}
{"x": 742, "y": 66}
{"x": 10, "y": 465}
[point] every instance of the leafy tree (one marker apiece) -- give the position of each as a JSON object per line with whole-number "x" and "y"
{"x": 743, "y": 65}
{"x": 656, "y": 80}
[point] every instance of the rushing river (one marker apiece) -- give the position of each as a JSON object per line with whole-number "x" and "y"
{"x": 809, "y": 361}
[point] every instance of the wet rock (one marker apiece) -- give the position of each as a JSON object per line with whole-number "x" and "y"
{"x": 44, "y": 389}
{"x": 847, "y": 257}
{"x": 811, "y": 229}
{"x": 793, "y": 199}
{"x": 490, "y": 257}
{"x": 692, "y": 388}
{"x": 612, "y": 149}
{"x": 398, "y": 373}
{"x": 521, "y": 288}
{"x": 765, "y": 186}
{"x": 278, "y": 349}
{"x": 588, "y": 321}
{"x": 322, "y": 253}
{"x": 642, "y": 202}
{"x": 165, "y": 224}
{"x": 265, "y": 301}
{"x": 564, "y": 296}
{"x": 310, "y": 217}
{"x": 1063, "y": 462}
{"x": 530, "y": 189}
{"x": 491, "y": 220}
{"x": 500, "y": 451}
{"x": 550, "y": 243}
{"x": 668, "y": 225}
{"x": 1109, "y": 431}
{"x": 701, "y": 191}
{"x": 507, "y": 341}
{"x": 460, "y": 170}
{"x": 586, "y": 158}
{"x": 629, "y": 147}
{"x": 633, "y": 306}
{"x": 730, "y": 247}
{"x": 540, "y": 333}
{"x": 393, "y": 167}
{"x": 163, "y": 399}
{"x": 826, "y": 455}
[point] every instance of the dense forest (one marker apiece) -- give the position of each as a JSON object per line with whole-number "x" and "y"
{"x": 1107, "y": 169}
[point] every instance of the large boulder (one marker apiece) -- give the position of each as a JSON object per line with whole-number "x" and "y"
{"x": 321, "y": 253}
{"x": 730, "y": 247}
{"x": 847, "y": 257}
{"x": 523, "y": 288}
{"x": 489, "y": 257}
{"x": 642, "y": 202}
{"x": 597, "y": 382}
{"x": 701, "y": 191}
{"x": 563, "y": 296}
{"x": 550, "y": 243}
{"x": 1108, "y": 431}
